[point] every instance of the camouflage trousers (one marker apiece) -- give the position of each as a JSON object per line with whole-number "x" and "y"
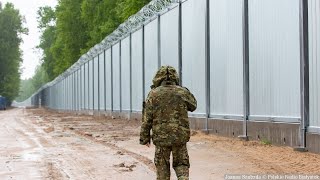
{"x": 180, "y": 163}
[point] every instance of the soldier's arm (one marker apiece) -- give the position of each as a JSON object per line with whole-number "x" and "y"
{"x": 146, "y": 123}
{"x": 190, "y": 100}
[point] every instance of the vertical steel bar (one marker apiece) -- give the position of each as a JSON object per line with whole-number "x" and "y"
{"x": 104, "y": 79}
{"x": 111, "y": 49}
{"x": 65, "y": 107}
{"x": 98, "y": 82}
{"x": 143, "y": 63}
{"x": 304, "y": 71}
{"x": 74, "y": 91}
{"x": 207, "y": 62}
{"x": 84, "y": 86}
{"x": 77, "y": 89}
{"x": 120, "y": 82}
{"x": 245, "y": 34}
{"x": 93, "y": 84}
{"x": 80, "y": 96}
{"x": 180, "y": 41}
{"x": 130, "y": 54}
{"x": 88, "y": 87}
{"x": 159, "y": 41}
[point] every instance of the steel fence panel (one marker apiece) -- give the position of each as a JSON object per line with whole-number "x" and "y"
{"x": 73, "y": 92}
{"x": 314, "y": 62}
{"x": 226, "y": 58}
{"x": 193, "y": 50}
{"x": 90, "y": 83}
{"x": 67, "y": 94}
{"x": 151, "y": 53}
{"x": 137, "y": 71}
{"x": 77, "y": 89}
{"x": 274, "y": 59}
{"x": 53, "y": 93}
{"x": 82, "y": 107}
{"x": 59, "y": 105}
{"x": 116, "y": 76}
{"x": 86, "y": 86}
{"x": 51, "y": 90}
{"x": 49, "y": 98}
{"x": 75, "y": 96}
{"x": 125, "y": 74}
{"x": 108, "y": 79}
{"x": 65, "y": 100}
{"x": 95, "y": 83}
{"x": 66, "y": 86}
{"x": 59, "y": 94}
{"x": 70, "y": 92}
{"x": 169, "y": 33}
{"x": 101, "y": 82}
{"x": 63, "y": 106}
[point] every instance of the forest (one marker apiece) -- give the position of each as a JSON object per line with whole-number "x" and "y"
{"x": 11, "y": 29}
{"x": 69, "y": 30}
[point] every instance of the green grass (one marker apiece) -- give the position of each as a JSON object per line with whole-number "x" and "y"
{"x": 265, "y": 141}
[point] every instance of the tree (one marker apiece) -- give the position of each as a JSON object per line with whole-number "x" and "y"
{"x": 71, "y": 34}
{"x": 100, "y": 18}
{"x": 11, "y": 29}
{"x": 26, "y": 90}
{"x": 39, "y": 78}
{"x": 46, "y": 20}
{"x": 126, "y": 8}
{"x": 29, "y": 86}
{"x": 74, "y": 26}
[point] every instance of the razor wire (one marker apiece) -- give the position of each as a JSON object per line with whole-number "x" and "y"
{"x": 134, "y": 22}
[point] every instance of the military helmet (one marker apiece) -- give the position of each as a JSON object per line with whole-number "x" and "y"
{"x": 165, "y": 73}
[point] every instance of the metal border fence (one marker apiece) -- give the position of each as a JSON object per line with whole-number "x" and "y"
{"x": 243, "y": 59}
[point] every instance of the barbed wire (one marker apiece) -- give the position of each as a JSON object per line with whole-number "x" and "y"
{"x": 134, "y": 22}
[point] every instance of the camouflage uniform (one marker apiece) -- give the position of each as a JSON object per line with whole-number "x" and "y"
{"x": 166, "y": 113}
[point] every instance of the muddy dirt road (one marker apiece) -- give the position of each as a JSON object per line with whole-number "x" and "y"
{"x": 40, "y": 144}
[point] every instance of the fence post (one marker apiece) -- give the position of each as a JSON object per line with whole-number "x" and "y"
{"x": 143, "y": 68}
{"x": 104, "y": 79}
{"x": 111, "y": 49}
{"x": 130, "y": 54}
{"x": 304, "y": 72}
{"x": 73, "y": 91}
{"x": 180, "y": 41}
{"x": 120, "y": 68}
{"x": 159, "y": 41}
{"x": 246, "y": 88}
{"x": 93, "y": 84}
{"x": 88, "y": 93}
{"x": 98, "y": 83}
{"x": 84, "y": 88}
{"x": 80, "y": 87}
{"x": 207, "y": 63}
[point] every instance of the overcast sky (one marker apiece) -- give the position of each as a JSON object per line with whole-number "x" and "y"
{"x": 28, "y": 8}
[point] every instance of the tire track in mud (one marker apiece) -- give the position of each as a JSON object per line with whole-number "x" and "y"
{"x": 146, "y": 161}
{"x": 55, "y": 173}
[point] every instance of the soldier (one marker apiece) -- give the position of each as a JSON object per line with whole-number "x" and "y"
{"x": 166, "y": 113}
